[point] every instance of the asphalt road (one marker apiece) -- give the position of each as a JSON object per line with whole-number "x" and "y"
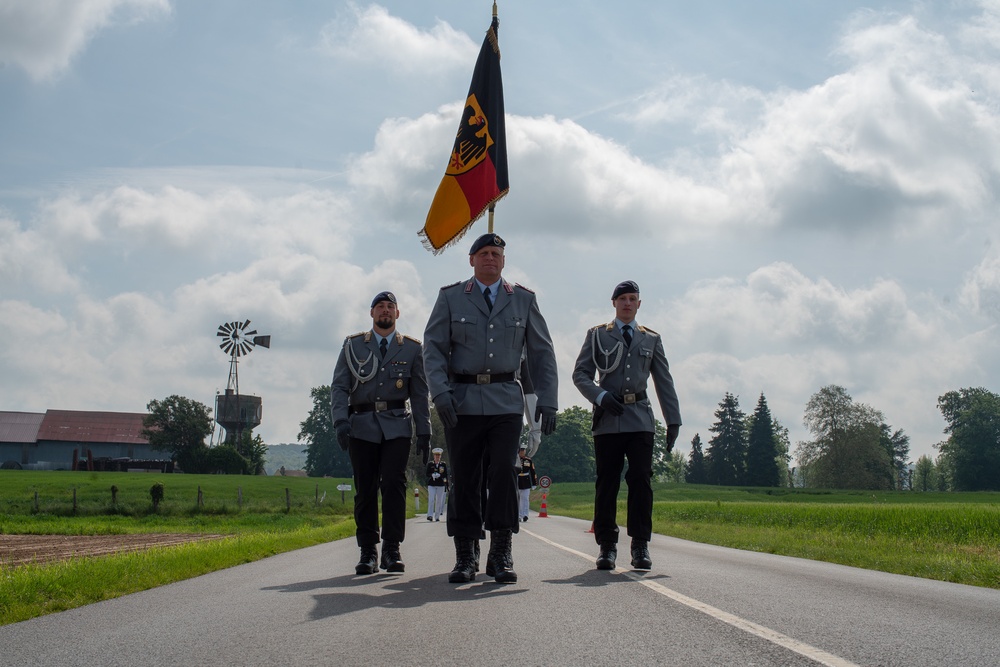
{"x": 700, "y": 605}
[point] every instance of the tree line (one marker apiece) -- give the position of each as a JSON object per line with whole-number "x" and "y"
{"x": 852, "y": 445}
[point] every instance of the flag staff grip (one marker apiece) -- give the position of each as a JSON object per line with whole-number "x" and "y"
{"x": 490, "y": 229}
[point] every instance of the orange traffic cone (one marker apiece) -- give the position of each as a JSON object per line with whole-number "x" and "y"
{"x": 543, "y": 512}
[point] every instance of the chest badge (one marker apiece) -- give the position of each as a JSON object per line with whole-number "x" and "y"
{"x": 399, "y": 384}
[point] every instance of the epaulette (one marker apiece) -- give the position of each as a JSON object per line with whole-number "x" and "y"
{"x": 453, "y": 284}
{"x": 360, "y": 333}
{"x": 413, "y": 339}
{"x": 526, "y": 289}
{"x": 647, "y": 330}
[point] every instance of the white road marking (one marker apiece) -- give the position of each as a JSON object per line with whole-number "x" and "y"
{"x": 803, "y": 649}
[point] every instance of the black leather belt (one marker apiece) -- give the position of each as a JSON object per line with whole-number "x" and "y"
{"x": 628, "y": 399}
{"x": 378, "y": 406}
{"x": 483, "y": 378}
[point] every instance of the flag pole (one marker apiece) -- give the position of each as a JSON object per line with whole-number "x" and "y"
{"x": 492, "y": 206}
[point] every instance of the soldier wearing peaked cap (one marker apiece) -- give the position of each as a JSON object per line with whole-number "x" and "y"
{"x": 623, "y": 356}
{"x": 377, "y": 372}
{"x": 437, "y": 485}
{"x": 473, "y": 345}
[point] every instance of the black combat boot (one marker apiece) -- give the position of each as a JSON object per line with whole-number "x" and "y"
{"x": 500, "y": 557}
{"x": 640, "y": 554}
{"x": 606, "y": 559}
{"x": 465, "y": 564}
{"x": 391, "y": 560}
{"x": 475, "y": 556}
{"x": 369, "y": 560}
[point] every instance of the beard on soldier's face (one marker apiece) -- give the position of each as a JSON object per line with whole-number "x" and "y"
{"x": 384, "y": 322}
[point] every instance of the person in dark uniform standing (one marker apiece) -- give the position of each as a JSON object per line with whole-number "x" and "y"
{"x": 526, "y": 481}
{"x": 437, "y": 485}
{"x": 473, "y": 344}
{"x": 377, "y": 371}
{"x": 624, "y": 355}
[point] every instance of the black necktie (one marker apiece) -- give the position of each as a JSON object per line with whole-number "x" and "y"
{"x": 627, "y": 335}
{"x": 382, "y": 346}
{"x": 489, "y": 301}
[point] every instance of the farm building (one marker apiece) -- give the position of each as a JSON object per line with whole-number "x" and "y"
{"x": 75, "y": 440}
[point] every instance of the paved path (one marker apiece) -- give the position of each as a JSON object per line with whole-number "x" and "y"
{"x": 700, "y": 605}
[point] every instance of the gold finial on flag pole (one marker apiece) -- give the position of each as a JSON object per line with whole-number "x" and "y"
{"x": 494, "y": 8}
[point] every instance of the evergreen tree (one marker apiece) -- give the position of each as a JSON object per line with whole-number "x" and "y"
{"x": 696, "y": 471}
{"x": 727, "y": 449}
{"x": 762, "y": 454}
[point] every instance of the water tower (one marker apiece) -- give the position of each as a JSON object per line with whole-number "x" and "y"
{"x": 235, "y": 412}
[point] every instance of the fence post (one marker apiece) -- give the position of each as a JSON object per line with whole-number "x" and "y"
{"x": 239, "y": 496}
{"x": 201, "y": 498}
{"x": 36, "y": 502}
{"x": 288, "y": 500}
{"x": 74, "y": 500}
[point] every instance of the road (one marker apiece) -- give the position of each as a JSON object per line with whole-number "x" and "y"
{"x": 700, "y": 605}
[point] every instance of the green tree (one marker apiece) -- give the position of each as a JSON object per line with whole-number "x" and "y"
{"x": 924, "y": 474}
{"x": 897, "y": 446}
{"x": 762, "y": 448}
{"x": 848, "y": 452}
{"x": 727, "y": 450}
{"x": 696, "y": 471}
{"x": 254, "y": 452}
{"x": 973, "y": 447}
{"x": 323, "y": 455}
{"x": 567, "y": 454}
{"x": 178, "y": 425}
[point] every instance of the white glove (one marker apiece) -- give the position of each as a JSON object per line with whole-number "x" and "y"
{"x": 534, "y": 427}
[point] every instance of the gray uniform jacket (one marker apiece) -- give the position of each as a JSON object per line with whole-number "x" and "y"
{"x": 397, "y": 377}
{"x": 644, "y": 358}
{"x": 464, "y": 337}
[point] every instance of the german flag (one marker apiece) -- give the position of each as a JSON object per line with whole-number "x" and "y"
{"x": 476, "y": 177}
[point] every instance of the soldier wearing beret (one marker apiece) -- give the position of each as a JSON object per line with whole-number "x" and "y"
{"x": 437, "y": 485}
{"x": 623, "y": 355}
{"x": 473, "y": 344}
{"x": 377, "y": 371}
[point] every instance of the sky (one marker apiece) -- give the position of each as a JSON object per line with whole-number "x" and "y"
{"x": 805, "y": 192}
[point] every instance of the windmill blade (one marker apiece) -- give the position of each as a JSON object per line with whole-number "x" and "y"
{"x": 245, "y": 324}
{"x": 262, "y": 341}
{"x": 245, "y": 347}
{"x": 247, "y": 334}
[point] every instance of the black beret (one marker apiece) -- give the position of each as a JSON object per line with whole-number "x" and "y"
{"x": 627, "y": 287}
{"x": 384, "y": 296}
{"x": 485, "y": 240}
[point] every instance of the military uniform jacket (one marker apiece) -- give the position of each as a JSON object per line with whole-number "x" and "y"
{"x": 361, "y": 378}
{"x": 526, "y": 478}
{"x": 464, "y": 337}
{"x": 625, "y": 371}
{"x": 441, "y": 468}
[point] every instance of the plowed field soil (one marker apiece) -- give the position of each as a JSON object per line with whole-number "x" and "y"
{"x": 21, "y": 549}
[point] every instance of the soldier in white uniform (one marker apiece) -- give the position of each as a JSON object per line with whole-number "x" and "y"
{"x": 623, "y": 355}
{"x": 377, "y": 371}
{"x": 473, "y": 345}
{"x": 437, "y": 485}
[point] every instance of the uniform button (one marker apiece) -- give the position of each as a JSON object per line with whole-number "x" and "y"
{"x": 491, "y": 355}
{"x": 628, "y": 379}
{"x": 491, "y": 326}
{"x": 491, "y": 340}
{"x": 628, "y": 365}
{"x": 462, "y": 320}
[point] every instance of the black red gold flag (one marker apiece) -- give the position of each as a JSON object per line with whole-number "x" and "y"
{"x": 476, "y": 177}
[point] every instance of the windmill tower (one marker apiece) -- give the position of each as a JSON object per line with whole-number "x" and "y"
{"x": 235, "y": 412}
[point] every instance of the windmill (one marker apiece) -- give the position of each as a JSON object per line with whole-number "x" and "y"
{"x": 234, "y": 412}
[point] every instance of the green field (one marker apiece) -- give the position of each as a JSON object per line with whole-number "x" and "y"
{"x": 950, "y": 537}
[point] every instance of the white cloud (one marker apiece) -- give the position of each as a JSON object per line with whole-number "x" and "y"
{"x": 44, "y": 36}
{"x": 372, "y": 35}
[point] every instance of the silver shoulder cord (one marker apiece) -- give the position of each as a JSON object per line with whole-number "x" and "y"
{"x": 616, "y": 350}
{"x": 356, "y": 366}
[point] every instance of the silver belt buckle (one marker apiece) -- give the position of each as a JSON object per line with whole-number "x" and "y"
{"x": 483, "y": 378}
{"x": 381, "y": 405}
{"x": 629, "y": 399}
